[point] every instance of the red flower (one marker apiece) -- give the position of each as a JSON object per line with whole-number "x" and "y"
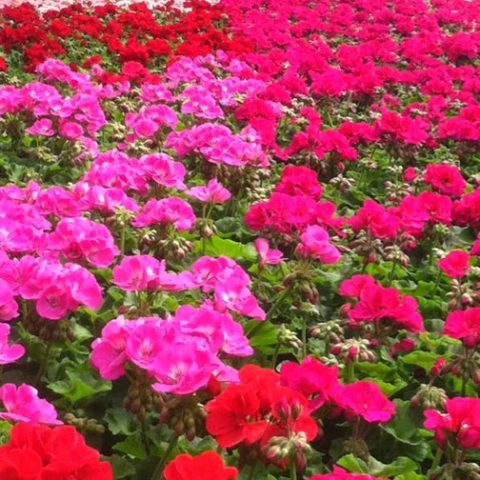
{"x": 206, "y": 466}
{"x": 464, "y": 325}
{"x": 257, "y": 409}
{"x": 37, "y": 452}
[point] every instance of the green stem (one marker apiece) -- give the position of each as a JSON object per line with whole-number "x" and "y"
{"x": 275, "y": 355}
{"x": 157, "y": 474}
{"x": 304, "y": 337}
{"x": 44, "y": 363}
{"x": 252, "y": 471}
{"x": 277, "y": 303}
{"x": 293, "y": 470}
{"x": 350, "y": 372}
{"x": 122, "y": 241}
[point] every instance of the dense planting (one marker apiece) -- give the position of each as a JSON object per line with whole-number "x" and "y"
{"x": 240, "y": 240}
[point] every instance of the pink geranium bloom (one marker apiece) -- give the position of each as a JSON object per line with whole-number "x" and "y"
{"x": 8, "y": 353}
{"x": 340, "y": 474}
{"x": 268, "y": 256}
{"x": 71, "y": 130}
{"x": 365, "y": 399}
{"x": 23, "y": 405}
{"x": 137, "y": 273}
{"x": 460, "y": 422}
{"x": 315, "y": 242}
{"x": 42, "y": 127}
{"x": 464, "y": 325}
{"x": 445, "y": 178}
{"x": 108, "y": 351}
{"x": 168, "y": 210}
{"x": 8, "y": 305}
{"x": 213, "y": 192}
{"x": 455, "y": 264}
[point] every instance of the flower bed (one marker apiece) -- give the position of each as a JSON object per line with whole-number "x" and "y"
{"x": 240, "y": 240}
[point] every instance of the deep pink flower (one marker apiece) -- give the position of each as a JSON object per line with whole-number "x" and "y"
{"x": 445, "y": 178}
{"x": 464, "y": 325}
{"x": 455, "y": 264}
{"x": 461, "y": 421}
{"x": 365, "y": 399}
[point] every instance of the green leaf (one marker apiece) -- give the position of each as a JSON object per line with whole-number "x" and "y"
{"x": 79, "y": 385}
{"x": 216, "y": 246}
{"x": 353, "y": 464}
{"x": 120, "y": 421}
{"x": 421, "y": 359}
{"x": 400, "y": 466}
{"x": 132, "y": 446}
{"x": 122, "y": 468}
{"x": 264, "y": 336}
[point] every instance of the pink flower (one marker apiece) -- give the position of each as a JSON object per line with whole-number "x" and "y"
{"x": 460, "y": 422}
{"x": 42, "y": 127}
{"x": 455, "y": 264}
{"x": 137, "y": 273}
{"x": 213, "y": 192}
{"x": 183, "y": 366}
{"x": 315, "y": 242}
{"x": 163, "y": 170}
{"x": 108, "y": 351}
{"x": 234, "y": 295}
{"x": 296, "y": 180}
{"x": 268, "y": 256}
{"x": 8, "y": 353}
{"x": 340, "y": 474}
{"x": 54, "y": 302}
{"x": 377, "y": 220}
{"x": 445, "y": 178}
{"x": 365, "y": 399}
{"x": 23, "y": 405}
{"x": 410, "y": 174}
{"x": 71, "y": 130}
{"x": 168, "y": 210}
{"x": 8, "y": 305}
{"x": 464, "y": 325}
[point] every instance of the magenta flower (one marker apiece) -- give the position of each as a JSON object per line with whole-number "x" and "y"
{"x": 315, "y": 242}
{"x": 8, "y": 353}
{"x": 460, "y": 422}
{"x": 365, "y": 399}
{"x": 268, "y": 256}
{"x": 464, "y": 325}
{"x": 108, "y": 352}
{"x": 23, "y": 405}
{"x": 168, "y": 210}
{"x": 455, "y": 264}
{"x": 213, "y": 192}
{"x": 42, "y": 127}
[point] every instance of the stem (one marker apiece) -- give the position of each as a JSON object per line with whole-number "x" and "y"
{"x": 122, "y": 241}
{"x": 146, "y": 443}
{"x": 436, "y": 462}
{"x": 44, "y": 363}
{"x": 392, "y": 271}
{"x": 157, "y": 474}
{"x": 304, "y": 337}
{"x": 252, "y": 471}
{"x": 277, "y": 302}
{"x": 275, "y": 355}
{"x": 350, "y": 372}
{"x": 293, "y": 470}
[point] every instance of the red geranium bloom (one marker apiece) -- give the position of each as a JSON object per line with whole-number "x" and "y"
{"x": 37, "y": 452}
{"x": 464, "y": 325}
{"x": 205, "y": 466}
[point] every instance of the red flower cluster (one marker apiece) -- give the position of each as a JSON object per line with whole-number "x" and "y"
{"x": 37, "y": 452}
{"x": 206, "y": 466}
